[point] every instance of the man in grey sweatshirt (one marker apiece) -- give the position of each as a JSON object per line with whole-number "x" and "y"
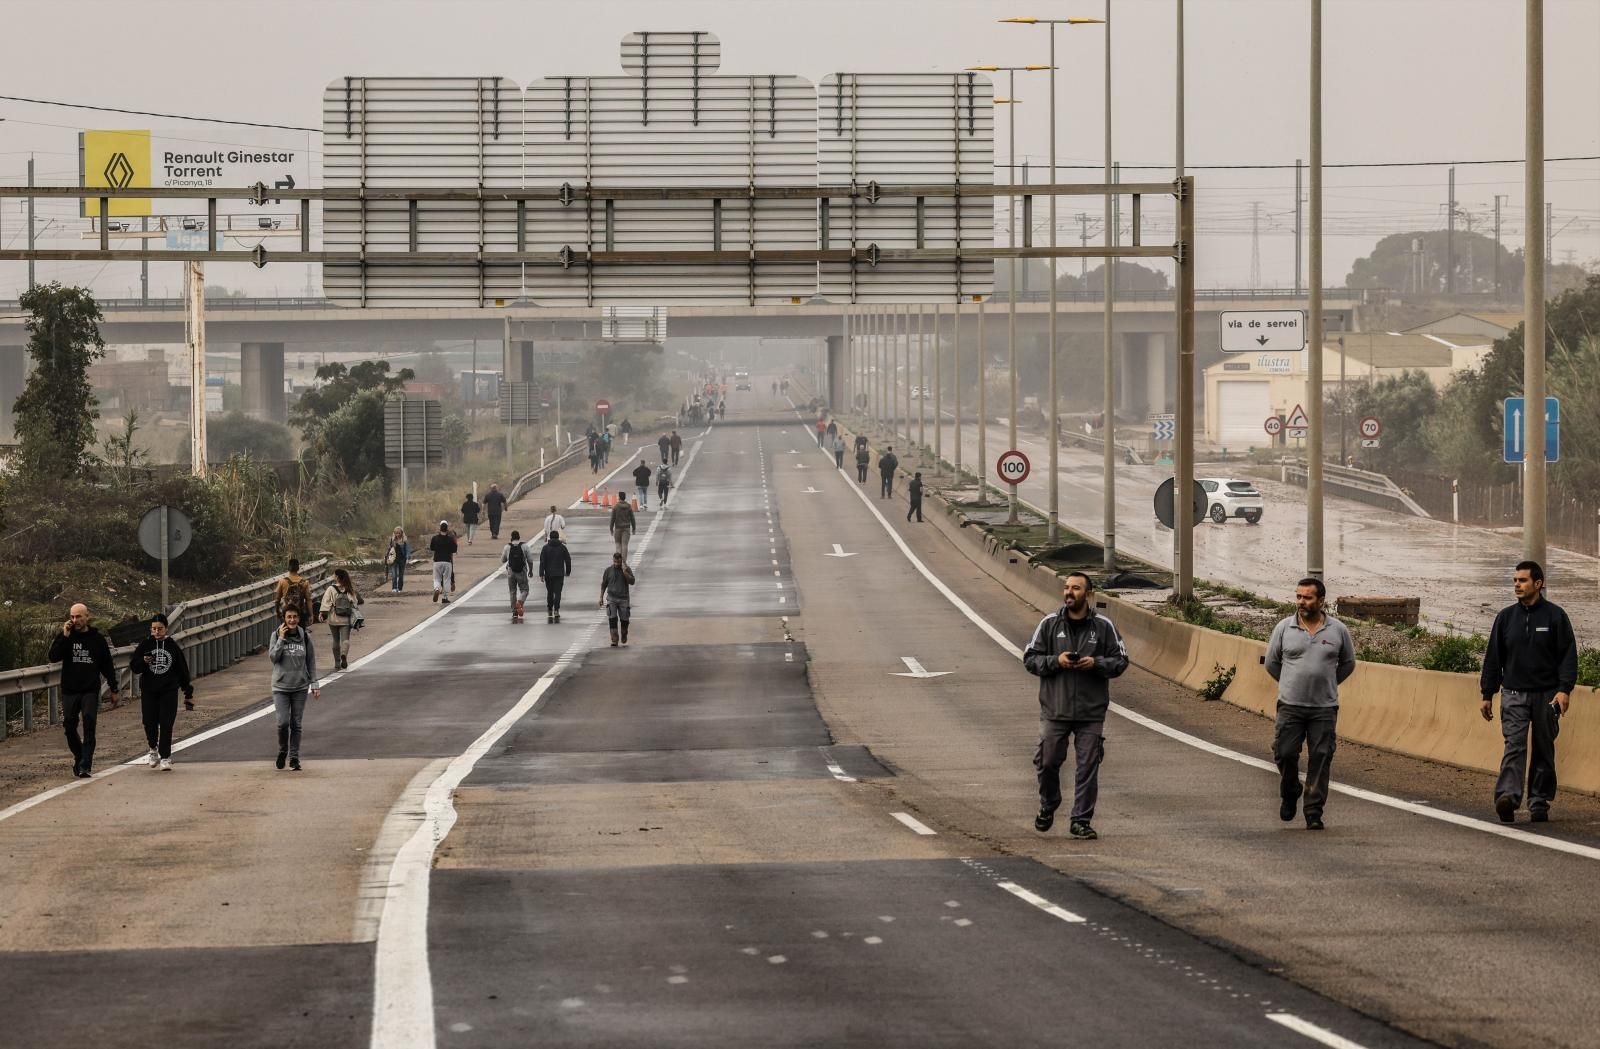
{"x": 1309, "y": 656}
{"x": 294, "y": 674}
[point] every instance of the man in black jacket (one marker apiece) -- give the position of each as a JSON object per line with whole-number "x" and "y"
{"x": 1532, "y": 661}
{"x": 1075, "y": 652}
{"x": 162, "y": 671}
{"x": 555, "y": 564}
{"x": 641, "y": 482}
{"x": 494, "y": 504}
{"x": 85, "y": 658}
{"x": 887, "y": 464}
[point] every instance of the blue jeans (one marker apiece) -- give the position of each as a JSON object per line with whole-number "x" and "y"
{"x": 290, "y": 708}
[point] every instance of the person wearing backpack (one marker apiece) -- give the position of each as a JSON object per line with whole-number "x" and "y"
{"x": 555, "y": 564}
{"x": 663, "y": 483}
{"x": 516, "y": 557}
{"x": 293, "y": 591}
{"x": 469, "y": 516}
{"x": 394, "y": 560}
{"x": 339, "y": 604}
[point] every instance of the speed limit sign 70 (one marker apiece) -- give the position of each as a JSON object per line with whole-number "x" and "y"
{"x": 1371, "y": 426}
{"x": 1012, "y": 467}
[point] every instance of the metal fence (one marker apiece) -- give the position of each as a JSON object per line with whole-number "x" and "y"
{"x": 1573, "y": 522}
{"x": 215, "y": 631}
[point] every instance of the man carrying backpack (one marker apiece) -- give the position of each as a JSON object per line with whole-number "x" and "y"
{"x": 293, "y": 591}
{"x": 663, "y": 483}
{"x": 516, "y": 557}
{"x": 555, "y": 564}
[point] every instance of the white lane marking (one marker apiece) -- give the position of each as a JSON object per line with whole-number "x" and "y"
{"x": 1313, "y": 1032}
{"x": 1468, "y": 822}
{"x": 838, "y": 551}
{"x": 402, "y": 997}
{"x": 1040, "y": 902}
{"x": 775, "y": 571}
{"x": 578, "y": 504}
{"x": 228, "y": 726}
{"x": 916, "y": 669}
{"x": 812, "y": 491}
{"x": 914, "y": 824}
{"x": 835, "y": 769}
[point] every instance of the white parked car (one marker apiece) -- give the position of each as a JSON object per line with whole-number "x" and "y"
{"x": 917, "y": 393}
{"x": 1228, "y": 497}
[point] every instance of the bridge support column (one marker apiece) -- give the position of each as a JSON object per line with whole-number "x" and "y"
{"x": 836, "y": 372}
{"x": 13, "y": 376}
{"x": 1160, "y": 368}
{"x": 261, "y": 381}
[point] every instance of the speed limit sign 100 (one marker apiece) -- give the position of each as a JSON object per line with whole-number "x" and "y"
{"x": 1012, "y": 467}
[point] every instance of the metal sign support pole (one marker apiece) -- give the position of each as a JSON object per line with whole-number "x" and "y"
{"x": 1183, "y": 460}
{"x": 938, "y": 395}
{"x": 197, "y": 368}
{"x": 983, "y": 416}
{"x": 955, "y": 349}
{"x": 166, "y": 543}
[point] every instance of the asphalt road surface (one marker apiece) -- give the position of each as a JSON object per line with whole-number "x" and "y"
{"x": 794, "y": 810}
{"x": 1461, "y": 572}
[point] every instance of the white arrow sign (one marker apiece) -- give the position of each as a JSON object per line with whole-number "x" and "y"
{"x": 838, "y": 551}
{"x": 917, "y": 669}
{"x": 799, "y": 466}
{"x": 812, "y": 491}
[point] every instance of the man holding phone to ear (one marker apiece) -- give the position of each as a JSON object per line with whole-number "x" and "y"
{"x": 1532, "y": 661}
{"x": 1075, "y": 652}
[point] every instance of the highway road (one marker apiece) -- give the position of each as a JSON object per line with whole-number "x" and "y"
{"x": 761, "y": 823}
{"x": 1462, "y": 573}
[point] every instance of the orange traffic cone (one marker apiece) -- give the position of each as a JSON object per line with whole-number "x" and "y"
{"x": 586, "y": 494}
{"x": 634, "y": 504}
{"x": 611, "y": 499}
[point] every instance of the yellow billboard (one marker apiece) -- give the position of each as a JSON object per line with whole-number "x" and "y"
{"x": 115, "y": 160}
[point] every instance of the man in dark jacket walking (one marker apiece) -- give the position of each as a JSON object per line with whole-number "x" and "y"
{"x": 1532, "y": 661}
{"x": 863, "y": 461}
{"x": 915, "y": 490}
{"x": 555, "y": 564}
{"x": 494, "y": 504}
{"x": 469, "y": 517}
{"x": 1075, "y": 652}
{"x": 887, "y": 464}
{"x": 615, "y": 597}
{"x": 665, "y": 444}
{"x": 676, "y": 445}
{"x": 85, "y": 658}
{"x": 163, "y": 671}
{"x": 641, "y": 481}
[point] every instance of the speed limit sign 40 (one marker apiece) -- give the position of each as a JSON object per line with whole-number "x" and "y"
{"x": 1012, "y": 467}
{"x": 1371, "y": 426}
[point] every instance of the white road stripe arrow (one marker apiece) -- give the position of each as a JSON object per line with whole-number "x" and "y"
{"x": 812, "y": 491}
{"x": 917, "y": 669}
{"x": 799, "y": 466}
{"x": 838, "y": 551}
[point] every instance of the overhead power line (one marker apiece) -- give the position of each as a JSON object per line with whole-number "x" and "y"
{"x": 164, "y": 116}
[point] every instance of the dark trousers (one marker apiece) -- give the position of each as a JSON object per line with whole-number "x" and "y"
{"x": 675, "y": 453}
{"x": 552, "y": 593}
{"x": 838, "y": 458}
{"x": 160, "y": 711}
{"x": 494, "y": 526}
{"x": 861, "y": 472}
{"x": 1525, "y": 714}
{"x": 661, "y": 493}
{"x": 1315, "y": 728}
{"x": 916, "y": 508}
{"x": 1089, "y": 749}
{"x": 888, "y": 486}
{"x": 85, "y": 705}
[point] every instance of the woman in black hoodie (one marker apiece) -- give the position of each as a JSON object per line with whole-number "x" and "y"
{"x": 163, "y": 671}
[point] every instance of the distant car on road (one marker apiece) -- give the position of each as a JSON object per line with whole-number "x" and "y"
{"x": 917, "y": 393}
{"x": 742, "y": 384}
{"x": 1228, "y": 497}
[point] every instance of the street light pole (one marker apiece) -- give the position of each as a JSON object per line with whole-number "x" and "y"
{"x": 1533, "y": 274}
{"x": 1184, "y": 405}
{"x": 1108, "y": 462}
{"x": 1314, "y": 349}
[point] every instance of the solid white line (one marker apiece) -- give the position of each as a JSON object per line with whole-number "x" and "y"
{"x": 1040, "y": 902}
{"x": 1312, "y": 1031}
{"x": 1481, "y": 826}
{"x": 914, "y": 824}
{"x": 835, "y": 770}
{"x": 578, "y": 503}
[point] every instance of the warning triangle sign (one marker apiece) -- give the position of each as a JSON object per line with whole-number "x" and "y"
{"x": 1297, "y": 420}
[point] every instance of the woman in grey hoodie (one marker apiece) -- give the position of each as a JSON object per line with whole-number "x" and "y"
{"x": 294, "y": 674}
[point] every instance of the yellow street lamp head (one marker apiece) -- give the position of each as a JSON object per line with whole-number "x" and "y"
{"x": 1021, "y": 21}
{"x": 983, "y": 69}
{"x": 1034, "y": 69}
{"x": 1006, "y": 101}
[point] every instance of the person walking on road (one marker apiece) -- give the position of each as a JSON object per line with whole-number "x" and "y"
{"x": 838, "y": 450}
{"x": 822, "y": 431}
{"x": 833, "y": 430}
{"x": 1532, "y": 661}
{"x": 554, "y": 522}
{"x": 1309, "y": 656}
{"x": 469, "y": 516}
{"x": 887, "y": 464}
{"x": 293, "y": 590}
{"x": 663, "y": 483}
{"x": 622, "y": 524}
{"x": 555, "y": 564}
{"x": 338, "y": 609}
{"x": 605, "y": 448}
{"x": 518, "y": 560}
{"x": 641, "y": 482}
{"x": 915, "y": 489}
{"x": 626, "y": 429}
{"x": 395, "y": 558}
{"x": 615, "y": 597}
{"x": 664, "y": 442}
{"x": 1074, "y": 652}
{"x": 163, "y": 672}
{"x": 863, "y": 463}
{"x": 294, "y": 675}
{"x": 443, "y": 546}
{"x": 494, "y": 505}
{"x": 676, "y": 444}
{"x": 85, "y": 658}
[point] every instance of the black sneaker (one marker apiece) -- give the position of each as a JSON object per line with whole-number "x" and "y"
{"x": 1506, "y": 808}
{"x": 283, "y": 755}
{"x": 294, "y": 764}
{"x": 1540, "y": 815}
{"x": 1081, "y": 829}
{"x": 77, "y": 770}
{"x": 1314, "y": 823}
{"x": 1287, "y": 806}
{"x": 436, "y": 597}
{"x": 1044, "y": 821}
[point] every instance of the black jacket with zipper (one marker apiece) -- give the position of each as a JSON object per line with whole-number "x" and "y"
{"x": 1075, "y": 695}
{"x": 1531, "y": 649}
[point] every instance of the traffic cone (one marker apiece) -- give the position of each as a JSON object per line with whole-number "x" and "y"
{"x": 611, "y": 499}
{"x": 634, "y": 504}
{"x": 588, "y": 496}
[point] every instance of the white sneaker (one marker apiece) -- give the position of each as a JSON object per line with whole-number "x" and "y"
{"x": 153, "y": 759}
{"x": 166, "y": 764}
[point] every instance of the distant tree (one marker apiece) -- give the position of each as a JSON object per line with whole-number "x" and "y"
{"x": 56, "y": 412}
{"x": 351, "y": 439}
{"x": 238, "y": 434}
{"x": 338, "y": 385}
{"x": 1131, "y": 276}
{"x": 1405, "y": 403}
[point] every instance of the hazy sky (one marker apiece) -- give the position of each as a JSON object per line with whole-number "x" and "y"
{"x": 1404, "y": 80}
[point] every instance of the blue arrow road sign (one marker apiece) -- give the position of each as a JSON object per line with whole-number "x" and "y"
{"x": 1515, "y": 450}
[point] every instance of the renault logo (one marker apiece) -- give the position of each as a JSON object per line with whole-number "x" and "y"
{"x": 119, "y": 172}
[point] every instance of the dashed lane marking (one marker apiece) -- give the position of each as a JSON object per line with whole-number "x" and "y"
{"x": 916, "y": 825}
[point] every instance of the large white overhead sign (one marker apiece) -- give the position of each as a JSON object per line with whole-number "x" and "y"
{"x": 669, "y": 120}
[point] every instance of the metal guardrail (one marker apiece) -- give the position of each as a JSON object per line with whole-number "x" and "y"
{"x": 1359, "y": 484}
{"x": 215, "y": 631}
{"x": 535, "y": 477}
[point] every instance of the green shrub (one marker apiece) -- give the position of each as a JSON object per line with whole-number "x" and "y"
{"x": 1589, "y": 667}
{"x": 1218, "y": 683}
{"x": 1458, "y": 655}
{"x": 1368, "y": 654}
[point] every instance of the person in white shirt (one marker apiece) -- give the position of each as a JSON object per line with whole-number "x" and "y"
{"x": 554, "y": 522}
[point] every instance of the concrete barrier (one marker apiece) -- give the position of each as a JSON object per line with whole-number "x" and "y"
{"x": 1419, "y": 713}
